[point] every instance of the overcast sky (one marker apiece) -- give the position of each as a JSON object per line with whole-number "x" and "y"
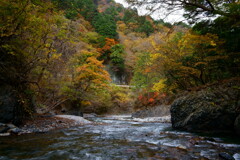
{"x": 174, "y": 17}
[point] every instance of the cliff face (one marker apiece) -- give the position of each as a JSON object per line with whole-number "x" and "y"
{"x": 215, "y": 108}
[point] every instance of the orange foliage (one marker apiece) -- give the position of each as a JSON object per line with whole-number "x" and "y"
{"x": 151, "y": 100}
{"x": 109, "y": 42}
{"x": 92, "y": 74}
{"x": 155, "y": 94}
{"x": 147, "y": 70}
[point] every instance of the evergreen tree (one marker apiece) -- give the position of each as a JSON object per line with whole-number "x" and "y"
{"x": 105, "y": 25}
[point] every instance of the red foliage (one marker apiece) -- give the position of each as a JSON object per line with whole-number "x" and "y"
{"x": 140, "y": 97}
{"x": 150, "y": 99}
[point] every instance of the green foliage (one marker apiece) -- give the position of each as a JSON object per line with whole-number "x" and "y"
{"x": 229, "y": 31}
{"x": 130, "y": 15}
{"x": 167, "y": 24}
{"x": 143, "y": 77}
{"x": 113, "y": 11}
{"x": 105, "y": 25}
{"x": 92, "y": 38}
{"x": 117, "y": 57}
{"x": 146, "y": 27}
{"x": 71, "y": 14}
{"x": 143, "y": 25}
{"x": 86, "y": 8}
{"x": 226, "y": 29}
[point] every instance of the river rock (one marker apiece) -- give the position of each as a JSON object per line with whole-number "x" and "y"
{"x": 214, "y": 108}
{"x": 226, "y": 156}
{"x": 11, "y": 126}
{"x": 15, "y": 131}
{"x": 91, "y": 115}
{"x": 236, "y": 156}
{"x": 77, "y": 119}
{"x": 3, "y": 128}
{"x": 75, "y": 113}
{"x": 237, "y": 125}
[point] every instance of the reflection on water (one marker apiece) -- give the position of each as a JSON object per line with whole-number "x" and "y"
{"x": 116, "y": 138}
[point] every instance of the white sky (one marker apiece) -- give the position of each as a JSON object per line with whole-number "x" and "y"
{"x": 173, "y": 17}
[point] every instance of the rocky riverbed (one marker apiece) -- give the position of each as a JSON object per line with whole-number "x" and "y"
{"x": 119, "y": 137}
{"x": 43, "y": 124}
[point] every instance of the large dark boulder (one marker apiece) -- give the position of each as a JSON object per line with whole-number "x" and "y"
{"x": 8, "y": 104}
{"x": 213, "y": 108}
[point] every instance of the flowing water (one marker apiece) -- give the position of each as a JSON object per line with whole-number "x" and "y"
{"x": 117, "y": 137}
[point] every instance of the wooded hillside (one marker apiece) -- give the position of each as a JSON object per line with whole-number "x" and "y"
{"x": 61, "y": 51}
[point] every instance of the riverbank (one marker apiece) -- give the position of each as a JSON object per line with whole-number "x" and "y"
{"x": 43, "y": 124}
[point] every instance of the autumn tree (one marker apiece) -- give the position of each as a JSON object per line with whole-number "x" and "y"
{"x": 105, "y": 50}
{"x": 143, "y": 75}
{"x": 190, "y": 60}
{"x": 88, "y": 79}
{"x": 27, "y": 47}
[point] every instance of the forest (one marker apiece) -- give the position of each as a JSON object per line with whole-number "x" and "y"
{"x": 54, "y": 51}
{"x": 80, "y": 52}
{"x": 92, "y": 79}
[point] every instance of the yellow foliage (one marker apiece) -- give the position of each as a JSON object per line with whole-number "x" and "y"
{"x": 85, "y": 103}
{"x": 159, "y": 86}
{"x": 56, "y": 56}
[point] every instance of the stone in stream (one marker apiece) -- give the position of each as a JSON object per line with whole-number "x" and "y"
{"x": 3, "y": 128}
{"x": 7, "y": 129}
{"x": 226, "y": 156}
{"x": 11, "y": 126}
{"x": 237, "y": 124}
{"x": 4, "y": 134}
{"x": 15, "y": 131}
{"x": 91, "y": 115}
{"x": 76, "y": 119}
{"x": 236, "y": 156}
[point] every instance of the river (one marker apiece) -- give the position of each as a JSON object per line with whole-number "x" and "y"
{"x": 116, "y": 137}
